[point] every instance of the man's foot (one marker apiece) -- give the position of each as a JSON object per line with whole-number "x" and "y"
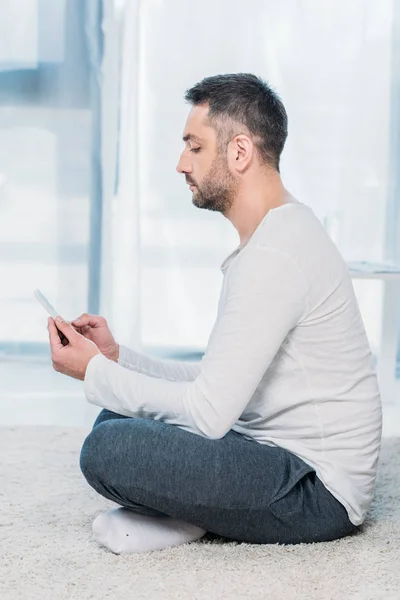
{"x": 124, "y": 531}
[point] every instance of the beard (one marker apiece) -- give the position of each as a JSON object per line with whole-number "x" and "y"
{"x": 217, "y": 190}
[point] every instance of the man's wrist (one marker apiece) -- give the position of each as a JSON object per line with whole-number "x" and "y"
{"x": 115, "y": 355}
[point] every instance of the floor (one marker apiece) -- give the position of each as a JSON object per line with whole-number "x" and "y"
{"x": 47, "y": 551}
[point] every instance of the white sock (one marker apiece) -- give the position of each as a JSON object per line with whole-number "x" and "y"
{"x": 124, "y": 531}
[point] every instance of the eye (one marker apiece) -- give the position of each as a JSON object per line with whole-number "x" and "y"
{"x": 195, "y": 150}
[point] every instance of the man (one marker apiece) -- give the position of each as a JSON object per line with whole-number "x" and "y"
{"x": 274, "y": 436}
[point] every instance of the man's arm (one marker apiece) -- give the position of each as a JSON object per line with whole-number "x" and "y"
{"x": 171, "y": 370}
{"x": 266, "y": 298}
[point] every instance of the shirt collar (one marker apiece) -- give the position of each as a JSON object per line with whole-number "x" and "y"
{"x": 231, "y": 256}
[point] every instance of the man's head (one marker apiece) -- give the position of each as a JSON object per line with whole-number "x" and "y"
{"x": 237, "y": 122}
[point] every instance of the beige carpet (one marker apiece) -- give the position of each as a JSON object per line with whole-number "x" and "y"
{"x": 47, "y": 551}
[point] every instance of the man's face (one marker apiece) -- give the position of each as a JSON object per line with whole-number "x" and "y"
{"x": 205, "y": 165}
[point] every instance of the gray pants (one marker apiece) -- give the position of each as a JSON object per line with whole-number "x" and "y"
{"x": 232, "y": 487}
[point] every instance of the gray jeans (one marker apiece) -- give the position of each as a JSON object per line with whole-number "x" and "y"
{"x": 232, "y": 487}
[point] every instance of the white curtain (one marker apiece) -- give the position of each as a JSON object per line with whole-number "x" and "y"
{"x": 331, "y": 64}
{"x": 121, "y": 250}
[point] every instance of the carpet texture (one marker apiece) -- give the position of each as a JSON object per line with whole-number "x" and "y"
{"x": 47, "y": 550}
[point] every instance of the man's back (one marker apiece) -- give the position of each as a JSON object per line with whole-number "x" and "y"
{"x": 319, "y": 398}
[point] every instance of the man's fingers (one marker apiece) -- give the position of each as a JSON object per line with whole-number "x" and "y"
{"x": 82, "y": 320}
{"x": 55, "y": 341}
{"x": 89, "y": 320}
{"x": 66, "y": 328}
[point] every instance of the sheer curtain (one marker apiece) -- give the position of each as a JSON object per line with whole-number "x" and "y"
{"x": 332, "y": 65}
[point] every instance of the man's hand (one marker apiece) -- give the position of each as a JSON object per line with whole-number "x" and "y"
{"x": 74, "y": 358}
{"x": 95, "y": 328}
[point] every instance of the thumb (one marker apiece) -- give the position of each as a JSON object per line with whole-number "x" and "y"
{"x": 66, "y": 328}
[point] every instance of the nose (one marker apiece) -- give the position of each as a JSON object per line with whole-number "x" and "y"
{"x": 183, "y": 165}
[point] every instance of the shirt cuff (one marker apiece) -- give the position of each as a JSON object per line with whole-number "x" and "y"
{"x": 123, "y": 358}
{"x": 98, "y": 362}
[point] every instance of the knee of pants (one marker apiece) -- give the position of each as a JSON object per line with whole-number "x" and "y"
{"x": 92, "y": 452}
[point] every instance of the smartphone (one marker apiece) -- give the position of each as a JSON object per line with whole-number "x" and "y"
{"x": 52, "y": 312}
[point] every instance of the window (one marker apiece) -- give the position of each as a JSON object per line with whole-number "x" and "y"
{"x": 47, "y": 125}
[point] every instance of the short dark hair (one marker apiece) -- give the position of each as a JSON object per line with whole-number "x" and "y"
{"x": 244, "y": 99}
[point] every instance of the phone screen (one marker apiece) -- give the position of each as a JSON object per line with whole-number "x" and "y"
{"x": 52, "y": 312}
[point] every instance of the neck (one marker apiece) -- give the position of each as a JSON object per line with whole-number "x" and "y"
{"x": 254, "y": 199}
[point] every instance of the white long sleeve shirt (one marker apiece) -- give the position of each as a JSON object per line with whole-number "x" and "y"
{"x": 287, "y": 363}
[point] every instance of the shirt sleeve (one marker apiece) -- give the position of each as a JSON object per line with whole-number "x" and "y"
{"x": 172, "y": 370}
{"x": 265, "y": 298}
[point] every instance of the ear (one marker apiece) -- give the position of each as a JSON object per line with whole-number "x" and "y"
{"x": 240, "y": 152}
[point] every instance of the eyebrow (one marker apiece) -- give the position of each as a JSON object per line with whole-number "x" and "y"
{"x": 191, "y": 136}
